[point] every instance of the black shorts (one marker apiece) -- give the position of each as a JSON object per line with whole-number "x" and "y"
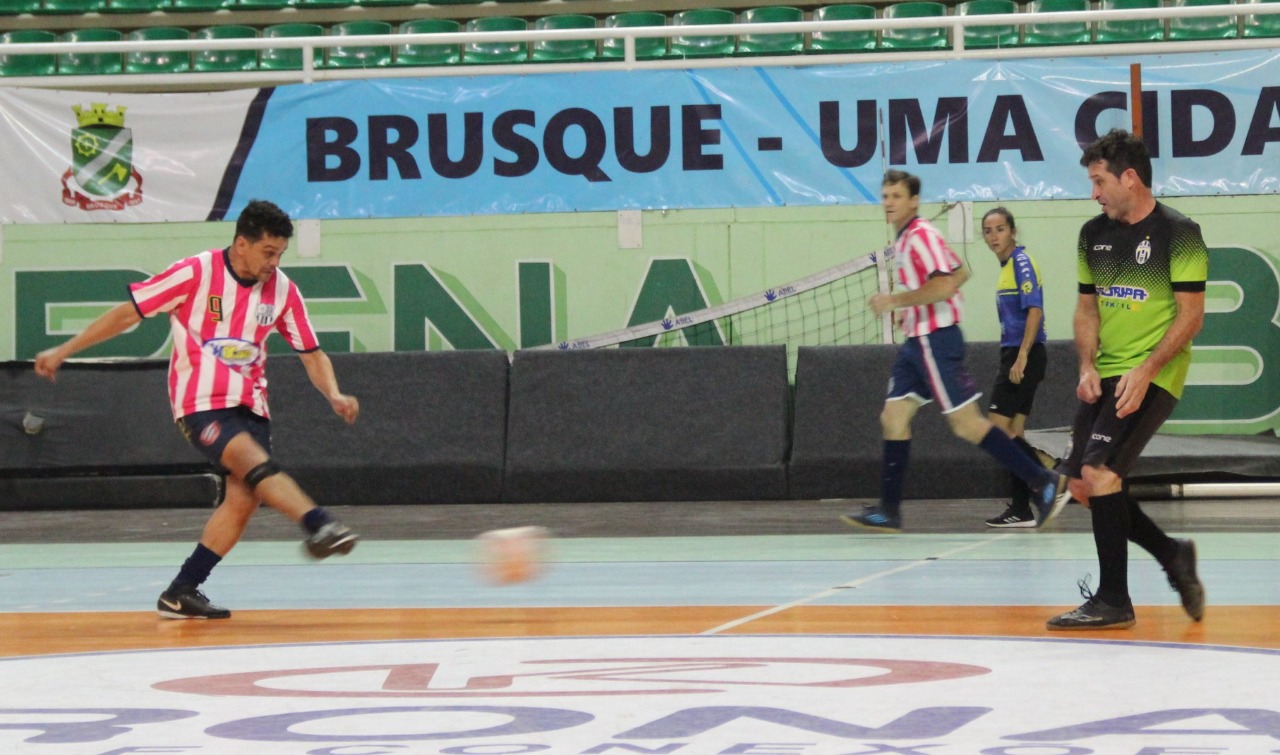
{"x": 1099, "y": 438}
{"x": 211, "y": 431}
{"x": 1009, "y": 399}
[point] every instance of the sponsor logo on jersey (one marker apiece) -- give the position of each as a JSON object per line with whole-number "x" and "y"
{"x": 1027, "y": 288}
{"x": 1143, "y": 252}
{"x": 265, "y": 314}
{"x": 232, "y": 351}
{"x": 1123, "y": 292}
{"x": 1101, "y": 437}
{"x": 1101, "y": 247}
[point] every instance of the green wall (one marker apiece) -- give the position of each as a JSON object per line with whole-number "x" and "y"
{"x": 519, "y": 281}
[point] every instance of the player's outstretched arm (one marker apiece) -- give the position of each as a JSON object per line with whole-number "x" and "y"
{"x": 320, "y": 370}
{"x": 111, "y": 323}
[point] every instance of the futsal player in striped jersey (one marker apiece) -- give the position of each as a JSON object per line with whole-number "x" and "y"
{"x": 222, "y": 305}
{"x": 930, "y": 363}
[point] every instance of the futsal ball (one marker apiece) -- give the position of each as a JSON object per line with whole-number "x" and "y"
{"x": 512, "y": 555}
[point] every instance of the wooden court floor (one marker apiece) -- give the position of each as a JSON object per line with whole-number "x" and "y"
{"x": 622, "y": 570}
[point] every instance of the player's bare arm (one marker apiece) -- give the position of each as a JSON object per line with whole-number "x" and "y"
{"x": 320, "y": 370}
{"x": 109, "y": 324}
{"x": 1018, "y": 370}
{"x": 1086, "y": 324}
{"x": 1133, "y": 385}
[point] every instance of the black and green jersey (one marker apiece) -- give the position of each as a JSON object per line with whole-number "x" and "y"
{"x": 1134, "y": 271}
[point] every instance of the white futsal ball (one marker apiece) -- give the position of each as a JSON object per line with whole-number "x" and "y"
{"x": 513, "y": 555}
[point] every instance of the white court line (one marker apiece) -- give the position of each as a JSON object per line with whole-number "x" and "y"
{"x": 858, "y": 582}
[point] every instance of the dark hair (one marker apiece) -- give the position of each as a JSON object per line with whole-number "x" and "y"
{"x": 260, "y": 218}
{"x": 1122, "y": 151}
{"x": 1008, "y": 216}
{"x": 902, "y": 177}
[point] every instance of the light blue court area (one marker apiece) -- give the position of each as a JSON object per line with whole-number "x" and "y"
{"x": 1023, "y": 568}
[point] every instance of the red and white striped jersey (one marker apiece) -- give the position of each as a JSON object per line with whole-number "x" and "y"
{"x": 220, "y": 326}
{"x": 920, "y": 252}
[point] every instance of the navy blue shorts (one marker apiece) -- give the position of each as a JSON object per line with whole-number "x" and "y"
{"x": 931, "y": 368}
{"x": 1100, "y": 438}
{"x": 211, "y": 431}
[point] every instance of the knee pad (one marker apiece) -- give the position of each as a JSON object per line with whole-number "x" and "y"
{"x": 260, "y": 473}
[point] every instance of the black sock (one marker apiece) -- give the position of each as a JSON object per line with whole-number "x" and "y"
{"x": 1111, "y": 527}
{"x": 892, "y": 475}
{"x": 1005, "y": 451}
{"x": 314, "y": 519}
{"x": 1148, "y": 535}
{"x": 1020, "y": 501}
{"x": 195, "y": 570}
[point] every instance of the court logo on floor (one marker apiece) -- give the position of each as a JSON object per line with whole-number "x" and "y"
{"x": 703, "y": 695}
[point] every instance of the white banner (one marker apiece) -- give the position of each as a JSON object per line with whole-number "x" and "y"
{"x": 92, "y": 157}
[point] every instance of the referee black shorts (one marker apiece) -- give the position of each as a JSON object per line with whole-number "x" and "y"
{"x": 1100, "y": 438}
{"x": 1009, "y": 399}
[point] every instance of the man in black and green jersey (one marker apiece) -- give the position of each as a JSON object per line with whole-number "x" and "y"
{"x": 1142, "y": 269}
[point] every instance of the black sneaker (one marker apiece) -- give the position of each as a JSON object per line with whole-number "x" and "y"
{"x": 1049, "y": 499}
{"x": 1094, "y": 614}
{"x": 875, "y": 519}
{"x": 1181, "y": 572}
{"x": 188, "y": 603}
{"x": 332, "y": 538}
{"x": 1012, "y": 518}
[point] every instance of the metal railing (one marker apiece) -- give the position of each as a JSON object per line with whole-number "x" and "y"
{"x": 309, "y": 72}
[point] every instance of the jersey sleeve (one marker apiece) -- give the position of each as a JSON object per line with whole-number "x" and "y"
{"x": 295, "y": 325}
{"x": 1027, "y": 279}
{"x": 166, "y": 291}
{"x": 1188, "y": 258}
{"x": 1082, "y": 264}
{"x": 930, "y": 252}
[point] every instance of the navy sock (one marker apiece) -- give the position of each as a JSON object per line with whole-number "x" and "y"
{"x": 314, "y": 519}
{"x": 1005, "y": 451}
{"x": 1111, "y": 526}
{"x": 1020, "y": 501}
{"x": 195, "y": 570}
{"x": 893, "y": 473}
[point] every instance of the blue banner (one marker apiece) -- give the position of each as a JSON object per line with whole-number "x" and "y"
{"x": 652, "y": 139}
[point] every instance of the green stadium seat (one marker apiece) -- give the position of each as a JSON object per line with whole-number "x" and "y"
{"x": 91, "y": 63}
{"x": 1147, "y": 30}
{"x": 1203, "y": 27}
{"x": 1049, "y": 33}
{"x": 289, "y": 58}
{"x": 843, "y": 41}
{"x": 157, "y": 62}
{"x": 564, "y": 49}
{"x": 934, "y": 38}
{"x": 429, "y": 55}
{"x": 322, "y": 4}
{"x": 496, "y": 52}
{"x": 385, "y": 3}
{"x": 1262, "y": 25}
{"x": 455, "y": 2}
{"x": 198, "y": 6}
{"x": 647, "y": 48}
{"x": 28, "y": 65}
{"x": 1000, "y": 35}
{"x": 702, "y": 45}
{"x": 771, "y": 44}
{"x": 359, "y": 56}
{"x": 238, "y": 5}
{"x": 226, "y": 60}
{"x": 72, "y": 6}
{"x": 15, "y": 7}
{"x": 136, "y": 6}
